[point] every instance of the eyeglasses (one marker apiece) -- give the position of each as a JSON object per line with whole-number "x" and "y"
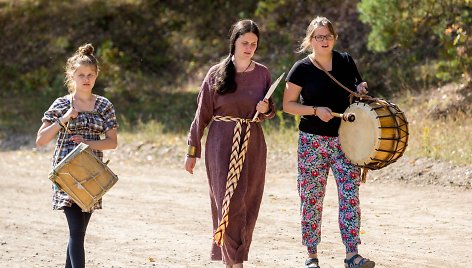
{"x": 320, "y": 38}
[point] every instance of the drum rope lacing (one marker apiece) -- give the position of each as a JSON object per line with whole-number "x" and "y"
{"x": 384, "y": 104}
{"x": 400, "y": 135}
{"x": 352, "y": 94}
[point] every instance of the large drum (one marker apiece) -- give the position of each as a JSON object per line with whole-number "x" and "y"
{"x": 377, "y": 137}
{"x": 83, "y": 176}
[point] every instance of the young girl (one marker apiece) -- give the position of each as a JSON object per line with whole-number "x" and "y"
{"x": 87, "y": 116}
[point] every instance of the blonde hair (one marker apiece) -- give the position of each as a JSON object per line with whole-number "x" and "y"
{"x": 314, "y": 24}
{"x": 83, "y": 56}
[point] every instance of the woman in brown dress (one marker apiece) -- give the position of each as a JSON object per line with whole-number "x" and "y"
{"x": 235, "y": 150}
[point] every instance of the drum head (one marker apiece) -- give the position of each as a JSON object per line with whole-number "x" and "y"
{"x": 359, "y": 139}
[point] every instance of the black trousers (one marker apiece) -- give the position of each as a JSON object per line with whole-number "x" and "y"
{"x": 77, "y": 221}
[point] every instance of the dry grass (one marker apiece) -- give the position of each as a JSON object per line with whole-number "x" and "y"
{"x": 440, "y": 124}
{"x": 443, "y": 139}
{"x": 436, "y": 131}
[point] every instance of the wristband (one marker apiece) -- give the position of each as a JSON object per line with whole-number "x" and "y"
{"x": 192, "y": 151}
{"x": 60, "y": 123}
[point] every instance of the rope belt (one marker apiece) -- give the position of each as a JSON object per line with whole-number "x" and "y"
{"x": 238, "y": 154}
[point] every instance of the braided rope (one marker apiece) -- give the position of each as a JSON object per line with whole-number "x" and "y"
{"x": 238, "y": 155}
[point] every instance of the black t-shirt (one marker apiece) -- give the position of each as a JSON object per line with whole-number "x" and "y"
{"x": 318, "y": 89}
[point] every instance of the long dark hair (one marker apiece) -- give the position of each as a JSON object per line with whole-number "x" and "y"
{"x": 226, "y": 71}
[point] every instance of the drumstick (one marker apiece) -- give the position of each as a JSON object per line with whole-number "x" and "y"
{"x": 350, "y": 117}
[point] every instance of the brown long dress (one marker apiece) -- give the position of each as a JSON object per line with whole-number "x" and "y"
{"x": 245, "y": 202}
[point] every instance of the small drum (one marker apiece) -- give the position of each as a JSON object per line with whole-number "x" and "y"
{"x": 83, "y": 176}
{"x": 377, "y": 137}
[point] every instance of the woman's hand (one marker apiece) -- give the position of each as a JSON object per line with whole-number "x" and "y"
{"x": 263, "y": 106}
{"x": 362, "y": 88}
{"x": 189, "y": 164}
{"x": 324, "y": 113}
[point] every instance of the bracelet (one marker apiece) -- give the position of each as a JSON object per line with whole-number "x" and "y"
{"x": 314, "y": 110}
{"x": 60, "y": 123}
{"x": 192, "y": 151}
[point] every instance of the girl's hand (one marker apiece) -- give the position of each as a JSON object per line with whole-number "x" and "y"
{"x": 70, "y": 114}
{"x": 77, "y": 139}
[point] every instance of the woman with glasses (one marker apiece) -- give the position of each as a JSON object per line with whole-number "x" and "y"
{"x": 318, "y": 143}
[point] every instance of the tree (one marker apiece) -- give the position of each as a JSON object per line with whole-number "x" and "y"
{"x": 430, "y": 38}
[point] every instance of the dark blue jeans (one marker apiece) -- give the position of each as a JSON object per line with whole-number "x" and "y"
{"x": 77, "y": 221}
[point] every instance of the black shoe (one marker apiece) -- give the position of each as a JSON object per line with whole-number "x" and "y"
{"x": 311, "y": 263}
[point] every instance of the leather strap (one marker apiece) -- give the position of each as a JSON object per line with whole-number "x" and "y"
{"x": 351, "y": 93}
{"x": 66, "y": 129}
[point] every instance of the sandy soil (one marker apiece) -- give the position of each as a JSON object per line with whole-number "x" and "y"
{"x": 158, "y": 216}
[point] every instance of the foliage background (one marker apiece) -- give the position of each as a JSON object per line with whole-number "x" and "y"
{"x": 153, "y": 54}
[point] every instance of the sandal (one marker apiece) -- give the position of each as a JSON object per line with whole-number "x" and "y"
{"x": 311, "y": 263}
{"x": 363, "y": 263}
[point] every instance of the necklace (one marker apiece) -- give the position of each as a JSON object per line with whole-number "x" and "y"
{"x": 246, "y": 67}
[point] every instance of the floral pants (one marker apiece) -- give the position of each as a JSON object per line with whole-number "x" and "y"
{"x": 316, "y": 155}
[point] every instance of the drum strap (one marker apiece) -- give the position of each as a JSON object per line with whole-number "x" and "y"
{"x": 66, "y": 130}
{"x": 238, "y": 155}
{"x": 352, "y": 94}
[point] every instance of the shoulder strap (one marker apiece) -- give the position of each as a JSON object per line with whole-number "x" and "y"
{"x": 69, "y": 97}
{"x": 355, "y": 94}
{"x": 351, "y": 93}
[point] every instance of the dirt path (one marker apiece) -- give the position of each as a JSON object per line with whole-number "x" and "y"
{"x": 163, "y": 214}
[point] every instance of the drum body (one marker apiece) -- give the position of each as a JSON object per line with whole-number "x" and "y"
{"x": 83, "y": 176}
{"x": 377, "y": 137}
